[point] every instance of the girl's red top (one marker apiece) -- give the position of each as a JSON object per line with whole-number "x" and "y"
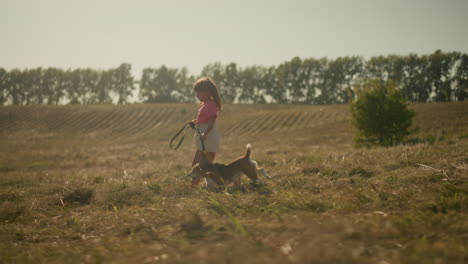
{"x": 206, "y": 110}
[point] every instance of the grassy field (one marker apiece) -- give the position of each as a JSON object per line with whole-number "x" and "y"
{"x": 99, "y": 184}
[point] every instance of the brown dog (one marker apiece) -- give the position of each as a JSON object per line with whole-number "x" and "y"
{"x": 224, "y": 174}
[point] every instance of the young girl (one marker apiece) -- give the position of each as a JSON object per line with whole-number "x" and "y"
{"x": 210, "y": 104}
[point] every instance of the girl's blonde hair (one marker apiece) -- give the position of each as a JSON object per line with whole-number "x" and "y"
{"x": 206, "y": 84}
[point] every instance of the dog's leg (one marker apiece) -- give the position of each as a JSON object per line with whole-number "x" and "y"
{"x": 237, "y": 182}
{"x": 259, "y": 170}
{"x": 215, "y": 177}
{"x": 263, "y": 172}
{"x": 251, "y": 172}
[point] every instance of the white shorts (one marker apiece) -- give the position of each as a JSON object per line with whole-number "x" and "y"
{"x": 212, "y": 141}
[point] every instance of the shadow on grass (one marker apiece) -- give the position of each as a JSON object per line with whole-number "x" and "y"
{"x": 259, "y": 188}
{"x": 80, "y": 196}
{"x": 194, "y": 227}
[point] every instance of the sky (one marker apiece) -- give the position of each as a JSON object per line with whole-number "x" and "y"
{"x": 102, "y": 34}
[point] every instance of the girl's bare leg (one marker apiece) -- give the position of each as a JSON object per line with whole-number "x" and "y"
{"x": 197, "y": 157}
{"x": 210, "y": 156}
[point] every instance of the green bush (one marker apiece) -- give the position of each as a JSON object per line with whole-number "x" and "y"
{"x": 380, "y": 115}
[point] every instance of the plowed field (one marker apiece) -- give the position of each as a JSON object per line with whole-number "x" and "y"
{"x": 98, "y": 183}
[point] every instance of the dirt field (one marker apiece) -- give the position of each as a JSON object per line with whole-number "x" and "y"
{"x": 99, "y": 184}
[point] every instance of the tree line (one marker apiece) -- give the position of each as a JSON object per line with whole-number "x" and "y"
{"x": 437, "y": 77}
{"x": 57, "y": 86}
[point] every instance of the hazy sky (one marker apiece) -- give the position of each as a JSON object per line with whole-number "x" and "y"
{"x": 104, "y": 33}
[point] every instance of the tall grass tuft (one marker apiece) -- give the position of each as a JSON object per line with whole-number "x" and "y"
{"x": 222, "y": 208}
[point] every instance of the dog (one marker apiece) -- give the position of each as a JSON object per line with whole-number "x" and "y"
{"x": 225, "y": 174}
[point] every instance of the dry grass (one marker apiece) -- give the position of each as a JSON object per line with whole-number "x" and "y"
{"x": 87, "y": 184}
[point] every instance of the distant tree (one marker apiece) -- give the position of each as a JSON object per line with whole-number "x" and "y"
{"x": 75, "y": 88}
{"x": 378, "y": 68}
{"x": 159, "y": 85}
{"x": 3, "y": 86}
{"x": 123, "y": 82}
{"x": 413, "y": 80}
{"x": 92, "y": 87}
{"x": 214, "y": 71}
{"x": 147, "y": 92}
{"x": 230, "y": 84}
{"x": 25, "y": 87}
{"x": 313, "y": 70}
{"x": 455, "y": 60}
{"x": 461, "y": 79}
{"x": 296, "y": 81}
{"x": 439, "y": 72}
{"x": 260, "y": 88}
{"x": 13, "y": 83}
{"x": 279, "y": 85}
{"x": 39, "y": 88}
{"x": 60, "y": 85}
{"x": 63, "y": 82}
{"x": 352, "y": 68}
{"x": 327, "y": 90}
{"x": 30, "y": 85}
{"x": 380, "y": 115}
{"x": 395, "y": 67}
{"x": 50, "y": 85}
{"x": 102, "y": 84}
{"x": 334, "y": 77}
{"x": 185, "y": 84}
{"x": 251, "y": 87}
{"x": 342, "y": 74}
{"x": 269, "y": 83}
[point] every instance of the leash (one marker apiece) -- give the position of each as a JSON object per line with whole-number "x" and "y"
{"x": 193, "y": 126}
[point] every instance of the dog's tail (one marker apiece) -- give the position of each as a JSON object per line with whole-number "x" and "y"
{"x": 247, "y": 154}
